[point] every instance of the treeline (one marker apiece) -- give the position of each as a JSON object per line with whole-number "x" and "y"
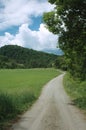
{"x": 13, "y": 56}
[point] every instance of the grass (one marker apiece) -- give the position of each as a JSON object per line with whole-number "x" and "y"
{"x": 19, "y": 88}
{"x": 77, "y": 91}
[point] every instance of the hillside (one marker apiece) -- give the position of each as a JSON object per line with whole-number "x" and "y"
{"x": 13, "y": 56}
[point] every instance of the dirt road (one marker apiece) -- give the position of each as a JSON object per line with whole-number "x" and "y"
{"x": 52, "y": 111}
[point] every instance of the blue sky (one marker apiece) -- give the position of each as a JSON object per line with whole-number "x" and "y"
{"x": 21, "y": 24}
{"x": 36, "y": 21}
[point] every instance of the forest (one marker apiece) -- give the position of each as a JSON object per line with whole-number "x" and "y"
{"x": 13, "y": 56}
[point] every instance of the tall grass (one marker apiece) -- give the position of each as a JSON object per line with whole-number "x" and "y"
{"x": 11, "y": 105}
{"x": 20, "y": 88}
{"x": 77, "y": 91}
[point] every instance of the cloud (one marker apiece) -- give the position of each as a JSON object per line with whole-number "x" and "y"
{"x": 19, "y": 13}
{"x": 16, "y": 13}
{"x": 37, "y": 40}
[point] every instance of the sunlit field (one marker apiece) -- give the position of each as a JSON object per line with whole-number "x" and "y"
{"x": 17, "y": 81}
{"x": 19, "y": 88}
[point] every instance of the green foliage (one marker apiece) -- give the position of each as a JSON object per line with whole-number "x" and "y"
{"x": 77, "y": 90}
{"x": 12, "y": 56}
{"x": 61, "y": 63}
{"x": 51, "y": 22}
{"x": 68, "y": 20}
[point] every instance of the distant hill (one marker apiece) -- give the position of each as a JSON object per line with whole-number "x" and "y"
{"x": 55, "y": 51}
{"x": 13, "y": 56}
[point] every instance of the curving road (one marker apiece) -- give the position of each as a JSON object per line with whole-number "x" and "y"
{"x": 52, "y": 111}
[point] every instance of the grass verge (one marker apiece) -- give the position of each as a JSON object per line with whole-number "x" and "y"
{"x": 19, "y": 89}
{"x": 76, "y": 90}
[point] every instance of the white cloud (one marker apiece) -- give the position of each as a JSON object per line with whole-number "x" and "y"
{"x": 37, "y": 40}
{"x": 18, "y": 12}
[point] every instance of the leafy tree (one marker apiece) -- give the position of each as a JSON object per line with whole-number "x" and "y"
{"x": 61, "y": 63}
{"x": 68, "y": 20}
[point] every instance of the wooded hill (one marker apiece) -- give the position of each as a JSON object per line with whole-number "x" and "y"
{"x": 13, "y": 56}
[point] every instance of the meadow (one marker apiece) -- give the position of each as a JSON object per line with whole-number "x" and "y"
{"x": 19, "y": 88}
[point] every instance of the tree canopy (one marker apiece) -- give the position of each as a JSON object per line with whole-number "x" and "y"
{"x": 68, "y": 20}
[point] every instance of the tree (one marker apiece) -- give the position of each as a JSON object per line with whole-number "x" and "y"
{"x": 68, "y": 20}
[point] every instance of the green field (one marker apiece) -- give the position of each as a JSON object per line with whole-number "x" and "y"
{"x": 19, "y": 88}
{"x": 17, "y": 81}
